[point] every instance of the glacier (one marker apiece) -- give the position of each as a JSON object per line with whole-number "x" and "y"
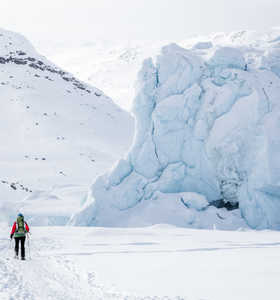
{"x": 207, "y": 132}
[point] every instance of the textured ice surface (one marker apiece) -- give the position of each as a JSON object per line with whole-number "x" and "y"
{"x": 207, "y": 128}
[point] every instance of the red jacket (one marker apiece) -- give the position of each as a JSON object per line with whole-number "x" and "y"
{"x": 15, "y": 227}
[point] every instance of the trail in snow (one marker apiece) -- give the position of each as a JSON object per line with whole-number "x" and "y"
{"x": 48, "y": 274}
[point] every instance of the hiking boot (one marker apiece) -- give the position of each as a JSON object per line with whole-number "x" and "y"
{"x": 23, "y": 258}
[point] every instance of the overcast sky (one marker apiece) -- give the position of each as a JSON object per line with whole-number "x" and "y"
{"x": 85, "y": 20}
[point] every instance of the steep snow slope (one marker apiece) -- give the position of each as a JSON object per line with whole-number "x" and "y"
{"x": 57, "y": 133}
{"x": 207, "y": 123}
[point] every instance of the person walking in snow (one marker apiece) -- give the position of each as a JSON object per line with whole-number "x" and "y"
{"x": 19, "y": 230}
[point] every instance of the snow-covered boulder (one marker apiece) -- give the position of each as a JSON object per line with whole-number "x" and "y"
{"x": 207, "y": 134}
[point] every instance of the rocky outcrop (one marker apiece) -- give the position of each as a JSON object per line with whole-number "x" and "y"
{"x": 16, "y": 58}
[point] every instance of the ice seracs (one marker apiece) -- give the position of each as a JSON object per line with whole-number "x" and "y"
{"x": 207, "y": 124}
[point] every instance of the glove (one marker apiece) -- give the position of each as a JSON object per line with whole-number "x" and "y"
{"x": 11, "y": 235}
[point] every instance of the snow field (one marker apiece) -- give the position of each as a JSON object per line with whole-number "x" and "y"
{"x": 161, "y": 262}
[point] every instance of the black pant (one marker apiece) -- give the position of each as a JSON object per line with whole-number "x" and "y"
{"x": 22, "y": 241}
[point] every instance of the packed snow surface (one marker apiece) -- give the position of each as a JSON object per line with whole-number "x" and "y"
{"x": 57, "y": 134}
{"x": 207, "y": 123}
{"x": 153, "y": 263}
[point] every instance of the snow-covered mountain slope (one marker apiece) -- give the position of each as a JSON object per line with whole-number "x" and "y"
{"x": 112, "y": 66}
{"x": 207, "y": 136}
{"x": 57, "y": 133}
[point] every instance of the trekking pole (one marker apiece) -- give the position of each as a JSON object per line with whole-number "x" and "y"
{"x": 28, "y": 243}
{"x": 10, "y": 245}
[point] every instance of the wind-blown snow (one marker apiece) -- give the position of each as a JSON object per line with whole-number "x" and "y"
{"x": 57, "y": 134}
{"x": 207, "y": 123}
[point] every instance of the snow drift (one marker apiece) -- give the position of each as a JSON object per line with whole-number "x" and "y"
{"x": 207, "y": 132}
{"x": 57, "y": 133}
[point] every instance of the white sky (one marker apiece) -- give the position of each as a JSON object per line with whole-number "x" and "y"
{"x": 64, "y": 21}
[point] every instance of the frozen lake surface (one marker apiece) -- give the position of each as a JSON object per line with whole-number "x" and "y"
{"x": 158, "y": 262}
